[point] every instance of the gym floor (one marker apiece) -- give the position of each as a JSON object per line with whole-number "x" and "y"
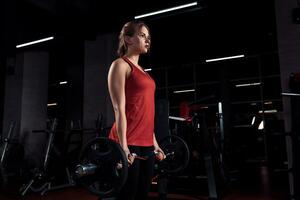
{"x": 254, "y": 182}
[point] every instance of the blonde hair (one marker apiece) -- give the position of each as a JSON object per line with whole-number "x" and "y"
{"x": 129, "y": 29}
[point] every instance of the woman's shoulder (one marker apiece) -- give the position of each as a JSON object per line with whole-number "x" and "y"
{"x": 119, "y": 61}
{"x": 120, "y": 64}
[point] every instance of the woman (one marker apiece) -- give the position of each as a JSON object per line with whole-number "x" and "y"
{"x": 132, "y": 94}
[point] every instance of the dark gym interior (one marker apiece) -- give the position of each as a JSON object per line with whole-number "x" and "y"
{"x": 232, "y": 68}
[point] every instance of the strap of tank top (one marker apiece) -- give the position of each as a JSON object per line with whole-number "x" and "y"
{"x": 129, "y": 62}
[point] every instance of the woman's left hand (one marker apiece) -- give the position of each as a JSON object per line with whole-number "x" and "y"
{"x": 159, "y": 153}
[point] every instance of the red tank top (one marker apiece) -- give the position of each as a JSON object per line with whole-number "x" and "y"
{"x": 139, "y": 108}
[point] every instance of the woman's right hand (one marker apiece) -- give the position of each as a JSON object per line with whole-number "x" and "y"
{"x": 130, "y": 157}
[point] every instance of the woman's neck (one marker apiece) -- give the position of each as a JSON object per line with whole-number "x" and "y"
{"x": 133, "y": 58}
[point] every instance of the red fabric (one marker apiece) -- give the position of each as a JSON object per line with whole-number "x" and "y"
{"x": 139, "y": 108}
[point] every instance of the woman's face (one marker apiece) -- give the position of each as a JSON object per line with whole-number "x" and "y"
{"x": 141, "y": 41}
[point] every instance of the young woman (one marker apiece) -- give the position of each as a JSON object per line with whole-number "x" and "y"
{"x": 132, "y": 94}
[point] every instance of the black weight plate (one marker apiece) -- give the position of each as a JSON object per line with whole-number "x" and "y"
{"x": 108, "y": 156}
{"x": 177, "y": 152}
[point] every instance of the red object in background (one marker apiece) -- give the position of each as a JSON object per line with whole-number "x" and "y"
{"x": 184, "y": 110}
{"x": 187, "y": 110}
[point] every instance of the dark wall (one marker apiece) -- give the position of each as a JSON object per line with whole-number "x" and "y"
{"x": 66, "y": 64}
{"x": 161, "y": 119}
{"x": 2, "y": 82}
{"x": 1, "y": 72}
{"x": 7, "y": 36}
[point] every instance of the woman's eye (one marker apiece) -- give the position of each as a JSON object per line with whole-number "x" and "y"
{"x": 144, "y": 36}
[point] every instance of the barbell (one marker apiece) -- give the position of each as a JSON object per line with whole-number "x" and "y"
{"x": 103, "y": 166}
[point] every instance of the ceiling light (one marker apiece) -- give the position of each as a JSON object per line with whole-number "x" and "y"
{"x": 177, "y": 118}
{"x": 224, "y": 58}
{"x": 63, "y": 82}
{"x": 290, "y": 94}
{"x": 166, "y": 10}
{"x": 247, "y": 84}
{"x": 183, "y": 91}
{"x": 34, "y": 42}
{"x": 268, "y": 111}
{"x": 52, "y": 104}
{"x": 268, "y": 102}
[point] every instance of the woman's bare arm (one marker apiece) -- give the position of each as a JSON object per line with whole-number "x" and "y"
{"x": 157, "y": 148}
{"x": 117, "y": 75}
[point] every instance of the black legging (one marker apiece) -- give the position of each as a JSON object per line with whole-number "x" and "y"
{"x": 140, "y": 174}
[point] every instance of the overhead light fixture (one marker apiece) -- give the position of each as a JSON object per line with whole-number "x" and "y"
{"x": 177, "y": 118}
{"x": 290, "y": 94}
{"x": 183, "y": 91}
{"x": 224, "y": 58}
{"x": 268, "y": 111}
{"x": 34, "y": 42}
{"x": 268, "y": 102}
{"x": 63, "y": 82}
{"x": 147, "y": 70}
{"x": 51, "y": 104}
{"x": 248, "y": 84}
{"x": 166, "y": 10}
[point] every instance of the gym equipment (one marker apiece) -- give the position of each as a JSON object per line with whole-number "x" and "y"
{"x": 6, "y": 142}
{"x": 103, "y": 166}
{"x": 11, "y": 158}
{"x": 212, "y": 152}
{"x": 293, "y": 136}
{"x": 3, "y": 177}
{"x": 177, "y": 154}
{"x": 41, "y": 180}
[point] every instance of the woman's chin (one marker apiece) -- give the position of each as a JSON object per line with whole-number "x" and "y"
{"x": 144, "y": 51}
